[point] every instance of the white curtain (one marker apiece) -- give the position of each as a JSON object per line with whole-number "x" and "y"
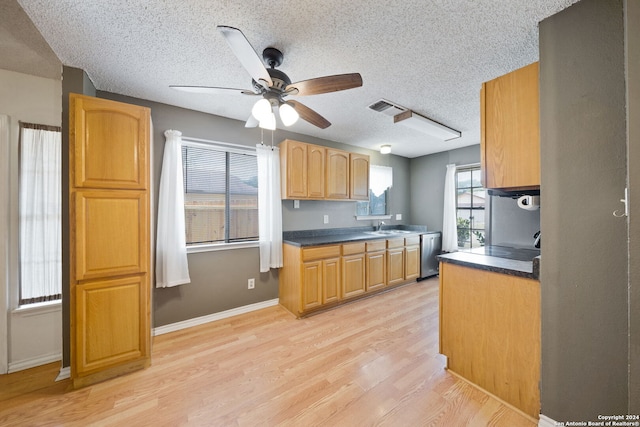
{"x": 171, "y": 249}
{"x": 381, "y": 178}
{"x": 269, "y": 207}
{"x": 449, "y": 227}
{"x": 40, "y": 214}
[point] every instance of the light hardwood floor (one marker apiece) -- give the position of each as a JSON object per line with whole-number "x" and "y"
{"x": 372, "y": 362}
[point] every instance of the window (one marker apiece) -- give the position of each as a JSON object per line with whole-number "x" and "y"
{"x": 470, "y": 202}
{"x": 40, "y": 213}
{"x": 380, "y": 180}
{"x": 221, "y": 193}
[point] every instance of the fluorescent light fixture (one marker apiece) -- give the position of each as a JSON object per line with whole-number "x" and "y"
{"x": 385, "y": 149}
{"x": 288, "y": 114}
{"x": 428, "y": 126}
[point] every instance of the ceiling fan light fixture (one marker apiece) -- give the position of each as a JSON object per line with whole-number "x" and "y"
{"x": 288, "y": 114}
{"x": 269, "y": 122}
{"x": 385, "y": 149}
{"x": 262, "y": 109}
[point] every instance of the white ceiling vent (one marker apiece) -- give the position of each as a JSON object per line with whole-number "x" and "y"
{"x": 386, "y": 107}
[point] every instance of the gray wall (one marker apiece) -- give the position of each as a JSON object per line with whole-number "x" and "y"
{"x": 219, "y": 278}
{"x": 427, "y": 183}
{"x": 632, "y": 42}
{"x": 511, "y": 225}
{"x": 584, "y": 253}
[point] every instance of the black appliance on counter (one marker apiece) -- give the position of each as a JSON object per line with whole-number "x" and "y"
{"x": 430, "y": 247}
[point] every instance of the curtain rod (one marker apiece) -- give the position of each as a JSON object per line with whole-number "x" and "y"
{"x": 468, "y": 166}
{"x": 40, "y": 127}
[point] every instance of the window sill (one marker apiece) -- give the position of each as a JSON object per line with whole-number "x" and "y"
{"x": 220, "y": 247}
{"x": 371, "y": 217}
{"x": 38, "y": 308}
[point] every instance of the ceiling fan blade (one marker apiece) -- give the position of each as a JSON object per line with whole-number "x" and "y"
{"x": 326, "y": 84}
{"x": 309, "y": 115}
{"x": 213, "y": 90}
{"x": 246, "y": 55}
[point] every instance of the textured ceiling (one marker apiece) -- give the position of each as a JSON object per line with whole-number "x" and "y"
{"x": 428, "y": 56}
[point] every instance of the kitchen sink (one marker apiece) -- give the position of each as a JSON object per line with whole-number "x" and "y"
{"x": 387, "y": 232}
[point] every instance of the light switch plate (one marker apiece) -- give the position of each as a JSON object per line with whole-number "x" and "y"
{"x": 296, "y": 204}
{"x": 398, "y": 217}
{"x": 326, "y": 219}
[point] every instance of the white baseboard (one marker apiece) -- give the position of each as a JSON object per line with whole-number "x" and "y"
{"x": 65, "y": 372}
{"x": 33, "y": 362}
{"x": 165, "y": 329}
{"x": 546, "y": 422}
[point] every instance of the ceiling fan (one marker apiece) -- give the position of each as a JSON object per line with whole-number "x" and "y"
{"x": 273, "y": 86}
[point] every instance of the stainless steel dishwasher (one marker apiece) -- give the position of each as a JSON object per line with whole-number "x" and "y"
{"x": 430, "y": 247}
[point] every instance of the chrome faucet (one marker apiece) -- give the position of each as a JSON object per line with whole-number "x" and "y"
{"x": 380, "y": 224}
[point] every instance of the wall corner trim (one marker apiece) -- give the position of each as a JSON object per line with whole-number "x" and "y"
{"x": 546, "y": 421}
{"x": 65, "y": 372}
{"x": 172, "y": 327}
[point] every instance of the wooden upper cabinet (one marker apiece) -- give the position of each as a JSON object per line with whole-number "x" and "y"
{"x": 315, "y": 171}
{"x": 293, "y": 163}
{"x": 510, "y": 130}
{"x": 359, "y": 176}
{"x": 112, "y": 149}
{"x": 337, "y": 175}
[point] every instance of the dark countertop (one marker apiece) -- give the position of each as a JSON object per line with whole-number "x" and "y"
{"x": 512, "y": 261}
{"x": 330, "y": 236}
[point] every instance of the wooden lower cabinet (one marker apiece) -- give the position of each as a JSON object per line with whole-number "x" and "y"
{"x": 311, "y": 284}
{"x": 490, "y": 332}
{"x": 376, "y": 270}
{"x": 316, "y": 277}
{"x": 353, "y": 275}
{"x": 411, "y": 262}
{"x": 395, "y": 266}
{"x": 320, "y": 282}
{"x": 331, "y": 280}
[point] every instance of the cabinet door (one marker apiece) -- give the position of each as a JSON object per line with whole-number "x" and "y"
{"x": 395, "y": 266}
{"x": 337, "y": 174}
{"x": 110, "y": 233}
{"x": 315, "y": 171}
{"x": 111, "y": 145}
{"x": 353, "y": 275}
{"x": 95, "y": 347}
{"x": 359, "y": 177}
{"x": 293, "y": 157}
{"x": 376, "y": 270}
{"x": 411, "y": 262}
{"x": 109, "y": 238}
{"x": 311, "y": 285}
{"x": 510, "y": 129}
{"x": 330, "y": 280}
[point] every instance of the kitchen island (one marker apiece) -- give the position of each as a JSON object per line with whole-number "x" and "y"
{"x": 490, "y": 322}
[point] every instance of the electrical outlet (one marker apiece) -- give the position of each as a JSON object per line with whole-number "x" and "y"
{"x": 296, "y": 204}
{"x": 398, "y": 217}
{"x": 326, "y": 219}
{"x": 251, "y": 283}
